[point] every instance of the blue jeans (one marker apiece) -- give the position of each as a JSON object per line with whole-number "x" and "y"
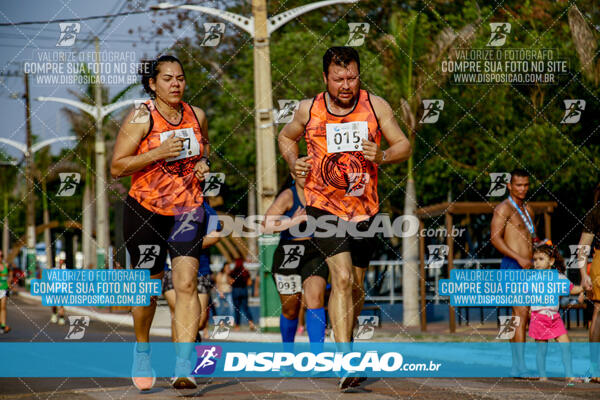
{"x": 225, "y": 304}
{"x": 240, "y": 303}
{"x": 509, "y": 263}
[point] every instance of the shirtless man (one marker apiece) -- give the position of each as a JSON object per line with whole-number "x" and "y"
{"x": 512, "y": 233}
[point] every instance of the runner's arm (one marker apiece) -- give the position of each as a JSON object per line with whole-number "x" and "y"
{"x": 586, "y": 239}
{"x": 291, "y": 133}
{"x": 282, "y": 203}
{"x": 203, "y": 121}
{"x": 399, "y": 146}
{"x": 125, "y": 162}
{"x": 201, "y": 168}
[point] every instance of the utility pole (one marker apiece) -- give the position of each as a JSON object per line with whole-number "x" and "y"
{"x": 100, "y": 147}
{"x": 266, "y": 171}
{"x": 30, "y": 195}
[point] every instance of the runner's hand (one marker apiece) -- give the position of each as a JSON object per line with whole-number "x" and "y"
{"x": 200, "y": 169}
{"x": 170, "y": 147}
{"x": 299, "y": 216}
{"x": 586, "y": 282}
{"x": 372, "y": 152}
{"x": 302, "y": 166}
{"x": 524, "y": 262}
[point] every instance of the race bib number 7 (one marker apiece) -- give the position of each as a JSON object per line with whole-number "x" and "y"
{"x": 347, "y": 136}
{"x": 288, "y": 284}
{"x": 191, "y": 147}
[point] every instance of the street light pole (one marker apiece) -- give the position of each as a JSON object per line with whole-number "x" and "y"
{"x": 100, "y": 150}
{"x": 266, "y": 168}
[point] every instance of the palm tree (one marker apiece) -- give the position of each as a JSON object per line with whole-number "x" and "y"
{"x": 586, "y": 44}
{"x": 414, "y": 60}
{"x": 7, "y": 187}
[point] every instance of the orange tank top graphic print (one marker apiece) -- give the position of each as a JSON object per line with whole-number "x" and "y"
{"x": 341, "y": 180}
{"x": 170, "y": 187}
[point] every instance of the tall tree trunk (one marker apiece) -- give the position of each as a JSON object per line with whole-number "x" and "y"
{"x": 87, "y": 207}
{"x": 410, "y": 255}
{"x": 5, "y": 231}
{"x": 252, "y": 241}
{"x": 46, "y": 221}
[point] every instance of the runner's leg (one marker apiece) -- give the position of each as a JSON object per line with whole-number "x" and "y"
{"x": 341, "y": 307}
{"x": 187, "y": 306}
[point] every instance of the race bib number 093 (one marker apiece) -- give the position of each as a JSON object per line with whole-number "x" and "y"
{"x": 288, "y": 284}
{"x": 191, "y": 147}
{"x": 347, "y": 136}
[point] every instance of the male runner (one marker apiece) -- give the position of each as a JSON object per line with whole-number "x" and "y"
{"x": 512, "y": 233}
{"x": 342, "y": 128}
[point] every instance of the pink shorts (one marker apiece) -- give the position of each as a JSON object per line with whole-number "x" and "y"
{"x": 543, "y": 327}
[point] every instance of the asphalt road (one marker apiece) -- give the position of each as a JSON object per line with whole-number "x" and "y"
{"x": 31, "y": 322}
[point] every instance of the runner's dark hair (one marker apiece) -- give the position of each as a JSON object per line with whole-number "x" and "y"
{"x": 519, "y": 172}
{"x": 149, "y": 69}
{"x": 340, "y": 55}
{"x": 552, "y": 252}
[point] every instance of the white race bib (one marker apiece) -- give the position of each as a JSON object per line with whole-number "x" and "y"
{"x": 347, "y": 136}
{"x": 191, "y": 147}
{"x": 288, "y": 284}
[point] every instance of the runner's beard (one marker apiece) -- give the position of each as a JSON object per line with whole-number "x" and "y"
{"x": 344, "y": 103}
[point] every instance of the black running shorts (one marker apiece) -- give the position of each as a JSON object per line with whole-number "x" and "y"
{"x": 361, "y": 248}
{"x": 149, "y": 236}
{"x": 294, "y": 261}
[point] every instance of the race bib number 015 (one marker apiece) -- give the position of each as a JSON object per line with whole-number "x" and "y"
{"x": 347, "y": 136}
{"x": 191, "y": 147}
{"x": 288, "y": 284}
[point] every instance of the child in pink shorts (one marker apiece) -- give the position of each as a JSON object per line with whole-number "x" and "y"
{"x": 545, "y": 322}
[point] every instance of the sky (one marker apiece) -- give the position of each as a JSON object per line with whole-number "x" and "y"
{"x": 29, "y": 46}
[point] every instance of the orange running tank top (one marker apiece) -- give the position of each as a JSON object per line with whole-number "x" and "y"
{"x": 343, "y": 183}
{"x": 169, "y": 187}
